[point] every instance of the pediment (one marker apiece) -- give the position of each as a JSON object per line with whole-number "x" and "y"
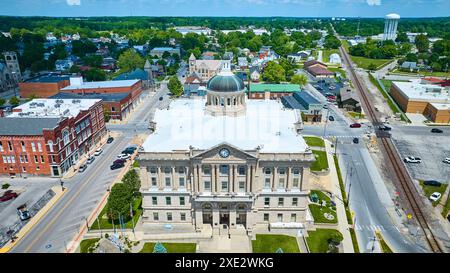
{"x": 235, "y": 154}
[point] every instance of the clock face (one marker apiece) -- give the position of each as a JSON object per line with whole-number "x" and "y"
{"x": 224, "y": 153}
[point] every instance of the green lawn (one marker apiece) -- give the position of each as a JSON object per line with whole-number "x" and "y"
{"x": 171, "y": 247}
{"x": 322, "y": 196}
{"x": 314, "y": 141}
{"x": 317, "y": 212}
{"x": 86, "y": 244}
{"x": 270, "y": 243}
{"x": 105, "y": 223}
{"x": 364, "y": 62}
{"x": 446, "y": 207}
{"x": 428, "y": 190}
{"x": 343, "y": 193}
{"x": 339, "y": 70}
{"x": 354, "y": 240}
{"x": 321, "y": 162}
{"x": 422, "y": 73}
{"x": 356, "y": 114}
{"x": 384, "y": 246}
{"x": 318, "y": 240}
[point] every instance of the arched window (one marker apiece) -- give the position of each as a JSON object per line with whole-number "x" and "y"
{"x": 66, "y": 137}
{"x": 50, "y": 146}
{"x": 267, "y": 171}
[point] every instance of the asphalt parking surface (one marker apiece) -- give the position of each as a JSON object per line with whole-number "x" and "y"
{"x": 432, "y": 149}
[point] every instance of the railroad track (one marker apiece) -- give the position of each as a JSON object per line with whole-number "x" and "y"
{"x": 403, "y": 179}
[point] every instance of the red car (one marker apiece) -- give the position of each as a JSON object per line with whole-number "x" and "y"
{"x": 8, "y": 195}
{"x": 355, "y": 125}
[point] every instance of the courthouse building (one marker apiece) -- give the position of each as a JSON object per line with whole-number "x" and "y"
{"x": 225, "y": 163}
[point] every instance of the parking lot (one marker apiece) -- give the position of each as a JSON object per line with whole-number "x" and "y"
{"x": 328, "y": 86}
{"x": 431, "y": 148}
{"x": 30, "y": 190}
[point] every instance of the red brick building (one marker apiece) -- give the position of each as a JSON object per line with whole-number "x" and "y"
{"x": 40, "y": 138}
{"x": 43, "y": 86}
{"x": 114, "y": 93}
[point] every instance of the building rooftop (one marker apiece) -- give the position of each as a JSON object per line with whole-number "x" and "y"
{"x": 425, "y": 92}
{"x": 441, "y": 106}
{"x": 101, "y": 84}
{"x": 10, "y": 126}
{"x": 49, "y": 78}
{"x": 137, "y": 74}
{"x": 51, "y": 108}
{"x": 266, "y": 87}
{"x": 116, "y": 97}
{"x": 266, "y": 124}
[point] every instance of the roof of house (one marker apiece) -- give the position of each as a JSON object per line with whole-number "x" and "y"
{"x": 208, "y": 64}
{"x": 305, "y": 98}
{"x": 318, "y": 70}
{"x": 10, "y": 126}
{"x": 312, "y": 62}
{"x": 102, "y": 84}
{"x": 347, "y": 94}
{"x": 137, "y": 74}
{"x": 409, "y": 65}
{"x": 51, "y": 108}
{"x": 115, "y": 97}
{"x": 282, "y": 87}
{"x": 291, "y": 103}
{"x": 192, "y": 78}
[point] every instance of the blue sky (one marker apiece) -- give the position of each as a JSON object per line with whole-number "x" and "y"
{"x": 295, "y": 8}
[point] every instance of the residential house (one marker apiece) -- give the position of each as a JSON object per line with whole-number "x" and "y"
{"x": 192, "y": 85}
{"x": 307, "y": 104}
{"x": 255, "y": 73}
{"x": 349, "y": 100}
{"x": 318, "y": 69}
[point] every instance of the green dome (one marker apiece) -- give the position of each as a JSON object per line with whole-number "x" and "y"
{"x": 225, "y": 83}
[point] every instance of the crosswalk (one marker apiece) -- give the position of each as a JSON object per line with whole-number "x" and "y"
{"x": 333, "y": 136}
{"x": 369, "y": 227}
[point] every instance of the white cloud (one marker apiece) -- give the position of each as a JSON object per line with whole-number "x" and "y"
{"x": 373, "y": 2}
{"x": 73, "y": 2}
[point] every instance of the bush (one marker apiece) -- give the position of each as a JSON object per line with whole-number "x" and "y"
{"x": 5, "y": 186}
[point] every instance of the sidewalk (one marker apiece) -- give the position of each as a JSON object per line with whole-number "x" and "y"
{"x": 35, "y": 219}
{"x": 340, "y": 208}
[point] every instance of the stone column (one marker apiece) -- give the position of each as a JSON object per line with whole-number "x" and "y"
{"x": 143, "y": 174}
{"x": 275, "y": 179}
{"x": 198, "y": 219}
{"x": 302, "y": 179}
{"x": 234, "y": 179}
{"x": 247, "y": 178}
{"x": 174, "y": 178}
{"x": 216, "y": 217}
{"x": 160, "y": 181}
{"x": 288, "y": 178}
{"x": 233, "y": 218}
{"x": 213, "y": 178}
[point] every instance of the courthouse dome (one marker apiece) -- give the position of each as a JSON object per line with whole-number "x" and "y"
{"x": 225, "y": 81}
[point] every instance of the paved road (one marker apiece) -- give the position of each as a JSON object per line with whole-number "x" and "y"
{"x": 56, "y": 230}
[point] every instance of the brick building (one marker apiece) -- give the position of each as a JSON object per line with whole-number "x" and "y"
{"x": 48, "y": 136}
{"x": 43, "y": 86}
{"x": 131, "y": 87}
{"x": 272, "y": 91}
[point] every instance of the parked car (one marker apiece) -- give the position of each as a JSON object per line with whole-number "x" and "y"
{"x": 412, "y": 159}
{"x": 129, "y": 150}
{"x": 446, "y": 160}
{"x": 436, "y": 130}
{"x": 384, "y": 128}
{"x": 432, "y": 183}
{"x": 116, "y": 166}
{"x": 435, "y": 196}
{"x": 355, "y": 125}
{"x": 8, "y": 195}
{"x": 23, "y": 212}
{"x": 123, "y": 156}
{"x": 119, "y": 161}
{"x": 90, "y": 160}
{"x": 356, "y": 140}
{"x": 82, "y": 168}
{"x": 98, "y": 152}
{"x": 331, "y": 118}
{"x": 110, "y": 139}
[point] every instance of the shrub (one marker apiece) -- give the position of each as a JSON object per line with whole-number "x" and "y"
{"x": 5, "y": 186}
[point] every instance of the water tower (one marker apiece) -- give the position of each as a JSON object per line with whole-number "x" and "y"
{"x": 390, "y": 26}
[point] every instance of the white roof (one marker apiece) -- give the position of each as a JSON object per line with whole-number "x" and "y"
{"x": 101, "y": 84}
{"x": 414, "y": 90}
{"x": 441, "y": 106}
{"x": 265, "y": 124}
{"x": 47, "y": 108}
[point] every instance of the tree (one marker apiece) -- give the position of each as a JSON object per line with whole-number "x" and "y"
{"x": 106, "y": 114}
{"x": 119, "y": 201}
{"x": 130, "y": 60}
{"x": 422, "y": 43}
{"x": 175, "y": 86}
{"x": 299, "y": 79}
{"x": 402, "y": 37}
{"x": 2, "y": 101}
{"x": 372, "y": 67}
{"x": 332, "y": 42}
{"x": 132, "y": 181}
{"x": 94, "y": 74}
{"x": 14, "y": 101}
{"x": 93, "y": 61}
{"x": 274, "y": 73}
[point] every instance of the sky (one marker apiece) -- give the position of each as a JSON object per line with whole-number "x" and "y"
{"x": 261, "y": 8}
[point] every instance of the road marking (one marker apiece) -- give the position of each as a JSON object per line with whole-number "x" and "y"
{"x": 51, "y": 223}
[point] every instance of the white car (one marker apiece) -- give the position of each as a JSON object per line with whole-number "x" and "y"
{"x": 412, "y": 159}
{"x": 435, "y": 196}
{"x": 98, "y": 152}
{"x": 123, "y": 156}
{"x": 447, "y": 160}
